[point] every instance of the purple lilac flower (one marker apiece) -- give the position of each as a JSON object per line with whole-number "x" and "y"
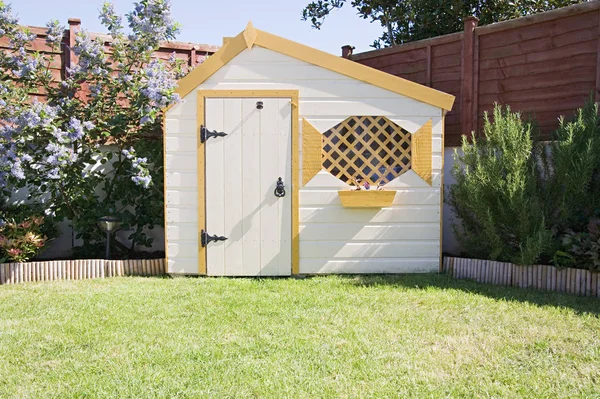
{"x": 54, "y": 34}
{"x": 17, "y": 170}
{"x": 146, "y": 119}
{"x": 129, "y": 153}
{"x": 25, "y": 67}
{"x": 60, "y": 155}
{"x": 159, "y": 88}
{"x": 60, "y": 135}
{"x": 29, "y": 118}
{"x": 159, "y": 83}
{"x": 21, "y": 37}
{"x": 53, "y": 174}
{"x": 138, "y": 161}
{"x": 37, "y": 115}
{"x": 75, "y": 69}
{"x": 109, "y": 18}
{"x": 6, "y": 17}
{"x": 126, "y": 78}
{"x": 143, "y": 181}
{"x": 95, "y": 90}
{"x": 90, "y": 52}
{"x": 75, "y": 129}
{"x": 152, "y": 19}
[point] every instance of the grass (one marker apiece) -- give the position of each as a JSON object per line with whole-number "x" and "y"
{"x": 405, "y": 336}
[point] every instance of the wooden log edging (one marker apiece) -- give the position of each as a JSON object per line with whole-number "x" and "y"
{"x": 81, "y": 269}
{"x": 571, "y": 281}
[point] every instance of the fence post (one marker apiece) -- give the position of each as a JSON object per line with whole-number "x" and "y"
{"x": 597, "y": 96}
{"x": 69, "y": 55}
{"x": 466, "y": 106}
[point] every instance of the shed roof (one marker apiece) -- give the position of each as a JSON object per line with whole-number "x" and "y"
{"x": 253, "y": 37}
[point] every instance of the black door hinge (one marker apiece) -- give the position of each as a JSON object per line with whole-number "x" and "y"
{"x": 206, "y": 238}
{"x": 205, "y": 134}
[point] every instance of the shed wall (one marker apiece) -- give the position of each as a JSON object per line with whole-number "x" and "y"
{"x": 402, "y": 238}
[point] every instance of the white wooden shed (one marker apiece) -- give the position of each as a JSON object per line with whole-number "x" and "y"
{"x": 261, "y": 154}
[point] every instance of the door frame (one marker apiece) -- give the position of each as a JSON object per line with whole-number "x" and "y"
{"x": 202, "y": 95}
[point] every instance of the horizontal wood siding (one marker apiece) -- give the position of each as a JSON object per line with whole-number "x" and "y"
{"x": 81, "y": 269}
{"x": 545, "y": 66}
{"x": 181, "y": 138}
{"x": 572, "y": 281}
{"x": 401, "y": 238}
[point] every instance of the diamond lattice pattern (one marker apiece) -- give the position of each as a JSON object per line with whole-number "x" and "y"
{"x": 370, "y": 147}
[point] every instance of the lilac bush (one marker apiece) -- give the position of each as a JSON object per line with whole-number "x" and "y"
{"x": 76, "y": 148}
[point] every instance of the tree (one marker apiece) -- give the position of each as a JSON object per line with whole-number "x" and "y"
{"x": 410, "y": 20}
{"x": 86, "y": 150}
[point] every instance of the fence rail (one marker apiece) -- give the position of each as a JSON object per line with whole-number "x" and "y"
{"x": 14, "y": 273}
{"x": 572, "y": 281}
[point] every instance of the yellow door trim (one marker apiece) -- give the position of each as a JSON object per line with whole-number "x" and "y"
{"x": 293, "y": 95}
{"x": 201, "y": 175}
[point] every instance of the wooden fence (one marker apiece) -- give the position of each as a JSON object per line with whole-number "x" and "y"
{"x": 545, "y": 65}
{"x": 572, "y": 281}
{"x": 14, "y": 273}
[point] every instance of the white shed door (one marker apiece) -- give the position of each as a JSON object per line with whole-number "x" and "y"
{"x": 242, "y": 170}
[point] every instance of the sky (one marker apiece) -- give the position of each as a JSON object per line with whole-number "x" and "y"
{"x": 207, "y": 22}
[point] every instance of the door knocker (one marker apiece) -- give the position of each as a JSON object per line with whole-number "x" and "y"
{"x": 280, "y": 188}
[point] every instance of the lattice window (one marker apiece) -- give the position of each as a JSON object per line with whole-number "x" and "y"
{"x": 370, "y": 147}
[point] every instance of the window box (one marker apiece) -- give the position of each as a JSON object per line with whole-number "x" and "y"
{"x": 366, "y": 198}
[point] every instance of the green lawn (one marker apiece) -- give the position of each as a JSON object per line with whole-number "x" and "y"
{"x": 408, "y": 336}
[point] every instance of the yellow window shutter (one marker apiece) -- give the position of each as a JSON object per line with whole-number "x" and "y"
{"x": 311, "y": 151}
{"x": 422, "y": 152}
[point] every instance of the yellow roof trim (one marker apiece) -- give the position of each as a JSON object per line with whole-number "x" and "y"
{"x": 230, "y": 49}
{"x": 250, "y": 35}
{"x": 254, "y": 37}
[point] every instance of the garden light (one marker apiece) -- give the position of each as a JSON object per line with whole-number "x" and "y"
{"x": 109, "y": 224}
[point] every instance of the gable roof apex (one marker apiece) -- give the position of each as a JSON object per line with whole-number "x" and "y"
{"x": 251, "y": 37}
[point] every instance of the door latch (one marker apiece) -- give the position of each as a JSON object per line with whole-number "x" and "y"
{"x": 279, "y": 188}
{"x": 205, "y": 134}
{"x": 206, "y": 238}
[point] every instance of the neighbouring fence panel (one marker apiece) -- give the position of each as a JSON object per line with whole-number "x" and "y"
{"x": 544, "y": 65}
{"x": 572, "y": 281}
{"x": 545, "y": 69}
{"x": 14, "y": 273}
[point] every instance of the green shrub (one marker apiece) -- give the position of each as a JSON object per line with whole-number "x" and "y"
{"x": 496, "y": 192}
{"x": 570, "y": 188}
{"x": 580, "y": 249}
{"x": 570, "y": 171}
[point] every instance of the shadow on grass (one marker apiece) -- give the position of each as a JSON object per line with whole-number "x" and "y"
{"x": 442, "y": 281}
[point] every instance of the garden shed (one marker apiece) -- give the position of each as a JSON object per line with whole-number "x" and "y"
{"x": 264, "y": 155}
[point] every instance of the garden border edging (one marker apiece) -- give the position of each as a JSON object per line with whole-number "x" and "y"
{"x": 80, "y": 269}
{"x": 568, "y": 280}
